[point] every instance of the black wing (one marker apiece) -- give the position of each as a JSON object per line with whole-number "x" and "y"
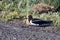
{"x": 38, "y": 21}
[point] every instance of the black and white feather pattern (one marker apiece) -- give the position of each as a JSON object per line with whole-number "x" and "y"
{"x": 38, "y": 22}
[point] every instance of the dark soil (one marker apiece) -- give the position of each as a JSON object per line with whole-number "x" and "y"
{"x": 16, "y": 30}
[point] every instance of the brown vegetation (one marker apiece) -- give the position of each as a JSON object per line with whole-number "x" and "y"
{"x": 43, "y": 8}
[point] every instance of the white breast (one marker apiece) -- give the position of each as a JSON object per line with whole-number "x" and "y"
{"x": 33, "y": 23}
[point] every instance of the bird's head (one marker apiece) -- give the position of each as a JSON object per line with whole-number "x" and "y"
{"x": 30, "y": 18}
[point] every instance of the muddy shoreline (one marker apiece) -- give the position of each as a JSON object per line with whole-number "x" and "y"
{"x": 15, "y": 30}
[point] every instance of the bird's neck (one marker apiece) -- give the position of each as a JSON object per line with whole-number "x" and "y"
{"x": 30, "y": 21}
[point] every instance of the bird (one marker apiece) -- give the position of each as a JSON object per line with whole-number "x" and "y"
{"x": 38, "y": 22}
